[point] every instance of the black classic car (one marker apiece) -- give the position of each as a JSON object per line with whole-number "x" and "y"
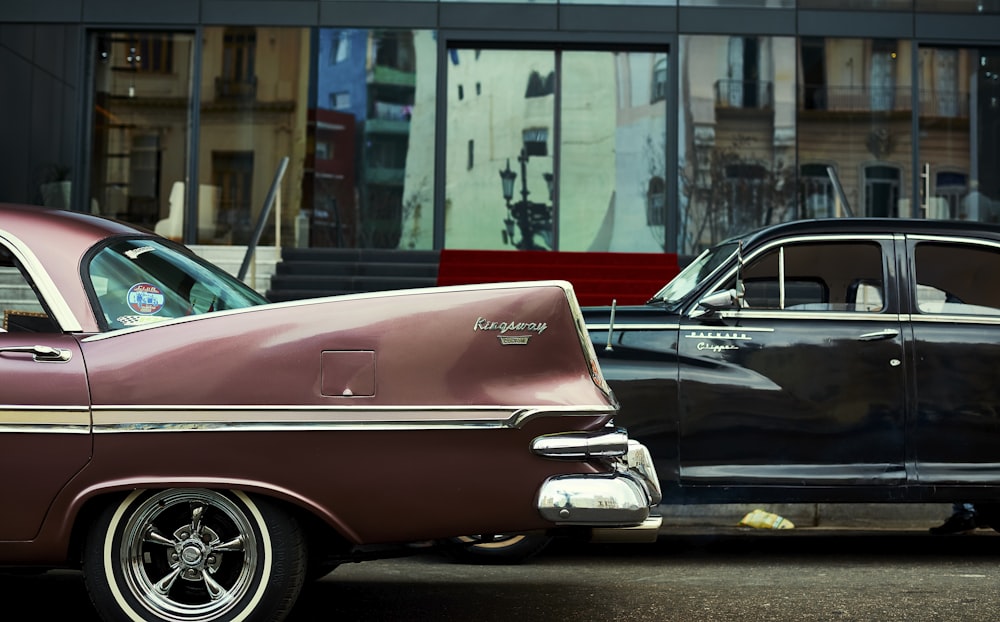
{"x": 840, "y": 360}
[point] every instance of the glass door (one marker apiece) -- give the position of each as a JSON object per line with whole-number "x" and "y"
{"x": 141, "y": 127}
{"x": 959, "y": 121}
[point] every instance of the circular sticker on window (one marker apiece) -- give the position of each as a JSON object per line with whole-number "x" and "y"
{"x": 145, "y": 298}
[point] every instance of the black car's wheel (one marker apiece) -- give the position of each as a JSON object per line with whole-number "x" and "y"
{"x": 501, "y": 549}
{"x": 186, "y": 555}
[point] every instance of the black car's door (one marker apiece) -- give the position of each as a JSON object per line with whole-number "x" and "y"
{"x": 955, "y": 302}
{"x": 805, "y": 385}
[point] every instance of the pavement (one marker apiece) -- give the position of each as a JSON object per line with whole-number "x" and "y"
{"x": 822, "y": 516}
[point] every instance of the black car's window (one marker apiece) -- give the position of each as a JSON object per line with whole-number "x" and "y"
{"x": 957, "y": 279}
{"x": 142, "y": 281}
{"x": 816, "y": 276}
{"x": 22, "y": 308}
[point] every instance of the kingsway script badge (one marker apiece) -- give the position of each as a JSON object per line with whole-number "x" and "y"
{"x": 505, "y": 327}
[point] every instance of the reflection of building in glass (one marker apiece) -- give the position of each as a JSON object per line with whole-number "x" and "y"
{"x": 248, "y": 121}
{"x": 599, "y": 151}
{"x": 371, "y": 76}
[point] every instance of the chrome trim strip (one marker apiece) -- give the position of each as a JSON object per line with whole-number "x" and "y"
{"x": 16, "y": 419}
{"x": 861, "y": 316}
{"x": 159, "y": 418}
{"x": 61, "y": 312}
{"x": 954, "y": 319}
{"x": 625, "y": 327}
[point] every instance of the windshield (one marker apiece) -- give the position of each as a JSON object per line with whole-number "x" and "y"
{"x": 142, "y": 281}
{"x": 695, "y": 272}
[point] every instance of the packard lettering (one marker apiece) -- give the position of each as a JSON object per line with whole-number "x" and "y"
{"x": 504, "y": 327}
{"x": 719, "y": 335}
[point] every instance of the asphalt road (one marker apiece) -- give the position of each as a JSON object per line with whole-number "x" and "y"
{"x": 728, "y": 574}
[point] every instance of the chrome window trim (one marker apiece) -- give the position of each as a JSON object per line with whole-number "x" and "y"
{"x": 813, "y": 237}
{"x": 951, "y": 318}
{"x": 860, "y": 316}
{"x": 61, "y": 312}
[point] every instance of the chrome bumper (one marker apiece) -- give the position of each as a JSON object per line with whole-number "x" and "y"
{"x": 617, "y": 505}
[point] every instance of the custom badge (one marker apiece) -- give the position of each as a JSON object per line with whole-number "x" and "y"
{"x": 505, "y": 327}
{"x": 145, "y": 298}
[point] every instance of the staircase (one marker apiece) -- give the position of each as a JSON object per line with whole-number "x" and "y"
{"x": 315, "y": 272}
{"x": 15, "y": 293}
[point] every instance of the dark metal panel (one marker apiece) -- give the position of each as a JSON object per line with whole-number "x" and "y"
{"x": 491, "y": 16}
{"x": 963, "y": 28}
{"x": 692, "y": 20}
{"x": 382, "y": 14}
{"x": 259, "y": 12}
{"x": 140, "y": 13}
{"x": 873, "y": 24}
{"x": 48, "y": 11}
{"x": 624, "y": 18}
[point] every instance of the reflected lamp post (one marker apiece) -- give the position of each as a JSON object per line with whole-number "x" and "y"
{"x": 526, "y": 218}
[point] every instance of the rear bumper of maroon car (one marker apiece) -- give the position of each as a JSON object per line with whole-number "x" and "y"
{"x": 616, "y": 505}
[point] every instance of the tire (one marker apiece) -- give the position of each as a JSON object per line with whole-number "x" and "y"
{"x": 504, "y": 549}
{"x": 186, "y": 555}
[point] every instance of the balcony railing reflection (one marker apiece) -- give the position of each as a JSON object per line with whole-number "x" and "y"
{"x": 886, "y": 99}
{"x": 753, "y": 94}
{"x": 227, "y": 88}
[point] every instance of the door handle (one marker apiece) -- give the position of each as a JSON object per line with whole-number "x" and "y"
{"x": 889, "y": 333}
{"x": 42, "y": 353}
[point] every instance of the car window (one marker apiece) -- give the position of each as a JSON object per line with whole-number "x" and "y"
{"x": 816, "y": 276}
{"x": 142, "y": 281}
{"x": 957, "y": 278}
{"x": 20, "y": 304}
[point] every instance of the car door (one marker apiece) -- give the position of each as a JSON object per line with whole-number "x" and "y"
{"x": 955, "y": 304}
{"x": 804, "y": 386}
{"x": 44, "y": 406}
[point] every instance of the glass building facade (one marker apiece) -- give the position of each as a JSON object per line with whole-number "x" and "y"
{"x": 573, "y": 125}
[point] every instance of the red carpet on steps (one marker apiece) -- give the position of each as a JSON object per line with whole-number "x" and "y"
{"x": 597, "y": 278}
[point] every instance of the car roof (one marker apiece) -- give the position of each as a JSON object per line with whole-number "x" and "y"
{"x": 52, "y": 244}
{"x": 848, "y": 226}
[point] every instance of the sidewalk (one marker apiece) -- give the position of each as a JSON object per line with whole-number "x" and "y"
{"x": 863, "y": 516}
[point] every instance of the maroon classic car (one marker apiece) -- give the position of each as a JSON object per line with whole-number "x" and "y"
{"x": 200, "y": 453}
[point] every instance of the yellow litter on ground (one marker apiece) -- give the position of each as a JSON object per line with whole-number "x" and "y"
{"x": 759, "y": 519}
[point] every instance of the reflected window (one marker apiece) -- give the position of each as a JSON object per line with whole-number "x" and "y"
{"x": 659, "y": 81}
{"x": 882, "y": 191}
{"x": 239, "y": 58}
{"x": 950, "y": 187}
{"x": 818, "y": 194}
{"x": 539, "y": 86}
{"x": 883, "y": 75}
{"x": 656, "y": 203}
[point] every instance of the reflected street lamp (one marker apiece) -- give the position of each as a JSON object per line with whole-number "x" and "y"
{"x": 530, "y": 219}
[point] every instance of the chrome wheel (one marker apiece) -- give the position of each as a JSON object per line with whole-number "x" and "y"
{"x": 194, "y": 555}
{"x": 495, "y": 549}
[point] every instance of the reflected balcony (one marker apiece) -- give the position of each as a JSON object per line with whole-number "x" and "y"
{"x": 239, "y": 90}
{"x": 745, "y": 94}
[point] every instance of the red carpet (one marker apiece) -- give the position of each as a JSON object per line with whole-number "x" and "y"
{"x": 597, "y": 278}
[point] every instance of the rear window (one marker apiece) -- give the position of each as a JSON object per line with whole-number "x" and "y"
{"x": 143, "y": 281}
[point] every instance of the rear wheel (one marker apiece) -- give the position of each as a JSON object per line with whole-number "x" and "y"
{"x": 500, "y": 549}
{"x": 186, "y": 555}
